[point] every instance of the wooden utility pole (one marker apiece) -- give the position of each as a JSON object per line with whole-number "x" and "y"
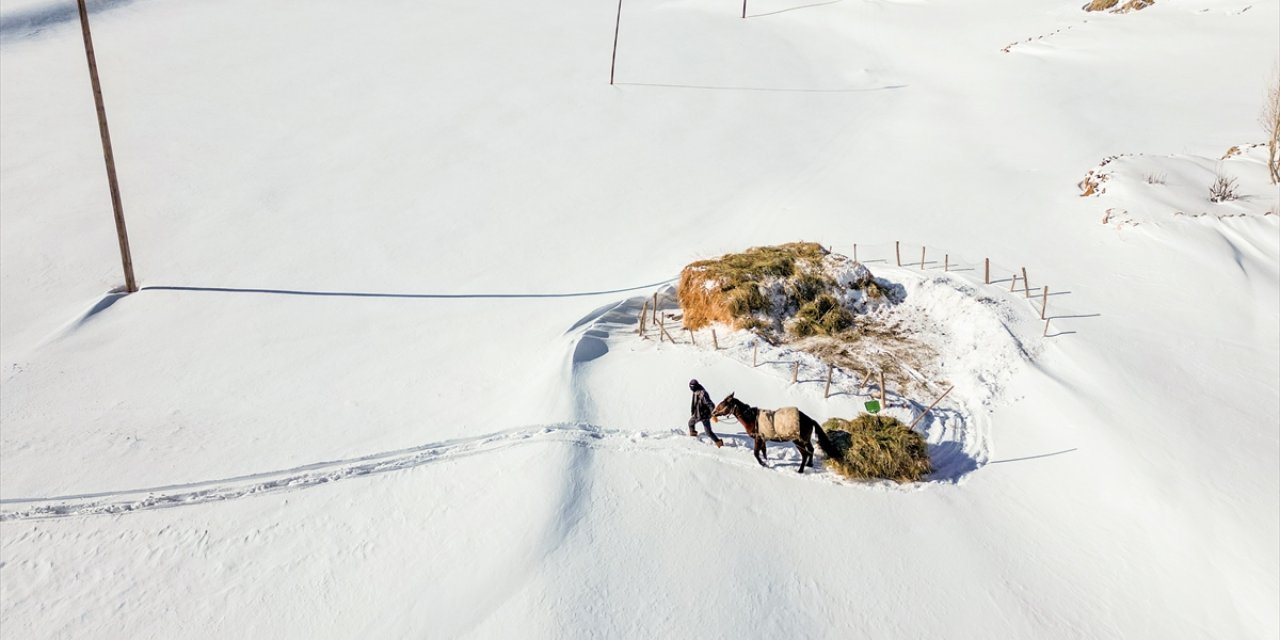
{"x": 617, "y": 26}
{"x": 130, "y": 285}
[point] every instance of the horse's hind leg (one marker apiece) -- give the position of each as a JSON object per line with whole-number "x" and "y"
{"x": 806, "y": 454}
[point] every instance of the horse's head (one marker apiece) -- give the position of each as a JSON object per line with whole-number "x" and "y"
{"x": 725, "y": 407}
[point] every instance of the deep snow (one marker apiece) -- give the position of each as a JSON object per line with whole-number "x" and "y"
{"x": 373, "y": 240}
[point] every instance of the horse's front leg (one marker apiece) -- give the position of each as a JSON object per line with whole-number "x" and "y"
{"x": 760, "y": 452}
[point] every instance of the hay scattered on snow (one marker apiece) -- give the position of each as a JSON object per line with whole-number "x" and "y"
{"x": 877, "y": 447}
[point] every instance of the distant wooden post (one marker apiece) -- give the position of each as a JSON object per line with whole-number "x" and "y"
{"x": 795, "y": 372}
{"x": 986, "y": 270}
{"x": 617, "y": 25}
{"x": 946, "y": 262}
{"x": 855, "y": 252}
{"x": 122, "y": 236}
{"x": 926, "y": 411}
{"x": 715, "y": 342}
{"x": 882, "y": 404}
{"x": 644, "y": 313}
{"x": 1044, "y": 301}
{"x": 897, "y": 252}
{"x": 826, "y": 391}
{"x": 1045, "y": 333}
{"x": 1026, "y": 284}
{"x": 1013, "y": 284}
{"x": 692, "y": 338}
{"x": 655, "y": 306}
{"x": 922, "y": 258}
{"x": 755, "y": 348}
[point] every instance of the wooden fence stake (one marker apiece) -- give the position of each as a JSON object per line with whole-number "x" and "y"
{"x": 946, "y": 262}
{"x": 663, "y": 328}
{"x": 1045, "y": 334}
{"x": 926, "y": 411}
{"x": 986, "y": 270}
{"x": 1026, "y": 284}
{"x": 897, "y": 252}
{"x": 922, "y": 258}
{"x": 826, "y": 391}
{"x": 1013, "y": 284}
{"x": 714, "y": 341}
{"x": 795, "y": 372}
{"x": 655, "y": 306}
{"x": 855, "y": 252}
{"x": 882, "y": 404}
{"x": 744, "y": 9}
{"x": 755, "y": 348}
{"x": 693, "y": 339}
{"x": 1044, "y": 301}
{"x": 865, "y": 381}
{"x": 644, "y": 313}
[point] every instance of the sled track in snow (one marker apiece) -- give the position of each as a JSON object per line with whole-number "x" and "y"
{"x": 735, "y": 452}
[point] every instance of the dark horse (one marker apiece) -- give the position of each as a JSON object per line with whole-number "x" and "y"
{"x": 781, "y": 425}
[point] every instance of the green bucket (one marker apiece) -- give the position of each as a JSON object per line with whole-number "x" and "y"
{"x": 873, "y": 406}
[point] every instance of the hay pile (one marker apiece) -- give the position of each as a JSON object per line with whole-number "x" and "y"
{"x": 877, "y": 447}
{"x": 800, "y": 289}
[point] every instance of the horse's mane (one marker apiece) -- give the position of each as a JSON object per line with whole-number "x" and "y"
{"x": 749, "y": 412}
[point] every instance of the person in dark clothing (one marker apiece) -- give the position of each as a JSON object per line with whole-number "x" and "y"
{"x": 700, "y": 410}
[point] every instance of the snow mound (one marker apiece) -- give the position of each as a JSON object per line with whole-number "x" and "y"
{"x": 1138, "y": 188}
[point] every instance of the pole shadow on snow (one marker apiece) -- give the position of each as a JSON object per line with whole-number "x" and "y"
{"x": 762, "y": 89}
{"x": 397, "y": 296}
{"x": 788, "y": 10}
{"x": 1043, "y": 455}
{"x": 28, "y": 21}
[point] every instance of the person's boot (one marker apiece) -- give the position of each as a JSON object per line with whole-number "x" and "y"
{"x": 693, "y": 433}
{"x": 719, "y": 443}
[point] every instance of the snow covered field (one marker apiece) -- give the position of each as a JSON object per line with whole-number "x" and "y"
{"x": 382, "y": 378}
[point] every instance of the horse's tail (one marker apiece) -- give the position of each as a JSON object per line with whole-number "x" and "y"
{"x": 828, "y": 447}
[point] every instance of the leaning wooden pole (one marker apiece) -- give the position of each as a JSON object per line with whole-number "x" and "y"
{"x": 617, "y": 26}
{"x": 126, "y": 258}
{"x": 926, "y": 411}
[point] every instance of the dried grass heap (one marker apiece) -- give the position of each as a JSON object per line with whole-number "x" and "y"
{"x": 798, "y": 288}
{"x": 877, "y": 447}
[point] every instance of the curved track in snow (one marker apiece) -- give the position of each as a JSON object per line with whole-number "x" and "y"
{"x": 311, "y": 475}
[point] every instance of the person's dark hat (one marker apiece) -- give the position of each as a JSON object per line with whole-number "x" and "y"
{"x": 693, "y": 384}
